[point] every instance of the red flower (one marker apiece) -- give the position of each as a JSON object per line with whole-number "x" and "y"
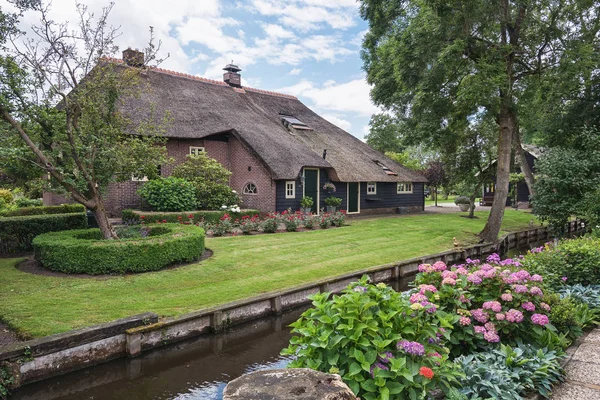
{"x": 180, "y": 217}
{"x": 142, "y": 217}
{"x": 191, "y": 216}
{"x": 426, "y": 372}
{"x": 164, "y": 221}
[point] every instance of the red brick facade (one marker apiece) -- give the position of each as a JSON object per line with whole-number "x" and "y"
{"x": 231, "y": 153}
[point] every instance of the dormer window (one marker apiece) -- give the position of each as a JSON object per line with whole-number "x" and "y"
{"x": 385, "y": 169}
{"x": 290, "y": 121}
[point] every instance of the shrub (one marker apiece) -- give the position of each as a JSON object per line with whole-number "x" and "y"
{"x": 338, "y": 218}
{"x": 490, "y": 301}
{"x": 566, "y": 315}
{"x": 23, "y": 202}
{"x": 507, "y": 373}
{"x": 270, "y": 223}
{"x": 210, "y": 180}
{"x": 195, "y": 217}
{"x": 72, "y": 253}
{"x": 333, "y": 201}
{"x": 380, "y": 344}
{"x": 45, "y": 210}
{"x": 249, "y": 224}
{"x": 462, "y": 200}
{"x": 223, "y": 226}
{"x": 589, "y": 295}
{"x": 324, "y": 221}
{"x": 17, "y": 233}
{"x": 169, "y": 194}
{"x": 6, "y": 196}
{"x": 574, "y": 261}
{"x": 306, "y": 202}
{"x": 310, "y": 221}
{"x": 291, "y": 220}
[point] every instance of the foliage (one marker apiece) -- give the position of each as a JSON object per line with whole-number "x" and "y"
{"x": 574, "y": 261}
{"x": 169, "y": 194}
{"x": 338, "y": 218}
{"x": 370, "y": 335}
{"x": 306, "y": 202}
{"x": 333, "y": 201}
{"x": 17, "y": 233}
{"x": 568, "y": 181}
{"x": 324, "y": 221}
{"x": 435, "y": 173}
{"x": 462, "y": 200}
{"x": 6, "y": 381}
{"x": 223, "y": 226}
{"x": 566, "y": 314}
{"x": 270, "y": 223}
{"x": 6, "y": 196}
{"x": 490, "y": 301}
{"x": 23, "y": 202}
{"x": 406, "y": 159}
{"x": 384, "y": 134}
{"x": 329, "y": 187}
{"x": 249, "y": 224}
{"x": 589, "y": 295}
{"x": 210, "y": 180}
{"x": 45, "y": 210}
{"x": 84, "y": 251}
{"x": 195, "y": 217}
{"x": 291, "y": 221}
{"x": 310, "y": 221}
{"x": 508, "y": 373}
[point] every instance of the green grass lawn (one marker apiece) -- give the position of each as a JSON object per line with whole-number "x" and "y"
{"x": 241, "y": 267}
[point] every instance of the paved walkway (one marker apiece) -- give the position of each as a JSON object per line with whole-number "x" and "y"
{"x": 583, "y": 370}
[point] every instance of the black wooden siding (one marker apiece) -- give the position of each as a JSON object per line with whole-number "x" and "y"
{"x": 522, "y": 189}
{"x": 386, "y": 196}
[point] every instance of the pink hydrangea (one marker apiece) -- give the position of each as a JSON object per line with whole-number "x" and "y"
{"x": 449, "y": 274}
{"x": 540, "y": 319}
{"x": 439, "y": 266}
{"x": 493, "y": 258}
{"x": 463, "y": 299}
{"x": 474, "y": 279}
{"x": 427, "y": 288}
{"x": 490, "y": 327}
{"x": 479, "y": 329}
{"x": 464, "y": 321}
{"x": 417, "y": 298}
{"x": 449, "y": 281}
{"x": 462, "y": 271}
{"x": 471, "y": 262}
{"x": 479, "y": 315}
{"x": 495, "y": 306}
{"x": 486, "y": 267}
{"x": 529, "y": 306}
{"x": 514, "y": 316}
{"x": 491, "y": 273}
{"x": 536, "y": 291}
{"x": 536, "y": 278}
{"x": 491, "y": 336}
{"x": 425, "y": 268}
{"x": 506, "y": 297}
{"x": 545, "y": 306}
{"x": 520, "y": 288}
{"x": 500, "y": 316}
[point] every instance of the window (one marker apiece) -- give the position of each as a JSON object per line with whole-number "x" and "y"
{"x": 290, "y": 121}
{"x": 138, "y": 179}
{"x": 385, "y": 169}
{"x": 290, "y": 189}
{"x": 371, "y": 187}
{"x": 405, "y": 187}
{"x": 250, "y": 188}
{"x": 195, "y": 151}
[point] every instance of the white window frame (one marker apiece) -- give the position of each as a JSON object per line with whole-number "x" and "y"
{"x": 374, "y": 184}
{"x": 255, "y": 188}
{"x": 195, "y": 150}
{"x": 289, "y": 195}
{"x": 138, "y": 179}
{"x": 404, "y": 191}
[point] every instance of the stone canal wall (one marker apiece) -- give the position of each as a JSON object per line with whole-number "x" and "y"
{"x": 43, "y": 358}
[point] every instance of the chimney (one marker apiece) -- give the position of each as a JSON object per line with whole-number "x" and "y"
{"x": 133, "y": 58}
{"x": 231, "y": 75}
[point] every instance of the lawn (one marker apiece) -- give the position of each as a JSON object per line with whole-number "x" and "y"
{"x": 241, "y": 267}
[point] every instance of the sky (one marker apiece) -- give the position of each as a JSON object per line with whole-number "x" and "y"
{"x": 307, "y": 48}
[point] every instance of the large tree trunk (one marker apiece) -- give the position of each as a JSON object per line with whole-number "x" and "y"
{"x": 104, "y": 224}
{"x": 522, "y": 160}
{"x": 472, "y": 200}
{"x": 507, "y": 124}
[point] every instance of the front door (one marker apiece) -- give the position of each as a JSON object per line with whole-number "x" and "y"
{"x": 353, "y": 193}
{"x": 311, "y": 187}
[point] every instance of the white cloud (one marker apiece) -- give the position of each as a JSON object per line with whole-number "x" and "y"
{"x": 352, "y": 96}
{"x": 306, "y": 15}
{"x": 295, "y": 71}
{"x": 340, "y": 122}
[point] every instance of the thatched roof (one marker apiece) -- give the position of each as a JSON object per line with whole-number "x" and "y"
{"x": 201, "y": 107}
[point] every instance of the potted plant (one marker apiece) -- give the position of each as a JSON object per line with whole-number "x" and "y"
{"x": 329, "y": 187}
{"x": 306, "y": 204}
{"x": 332, "y": 203}
{"x": 463, "y": 203}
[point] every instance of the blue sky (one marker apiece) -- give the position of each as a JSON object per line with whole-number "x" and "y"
{"x": 308, "y": 48}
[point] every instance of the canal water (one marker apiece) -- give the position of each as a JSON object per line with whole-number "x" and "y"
{"x": 196, "y": 369}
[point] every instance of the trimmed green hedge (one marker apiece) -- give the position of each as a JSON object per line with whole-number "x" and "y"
{"x": 16, "y": 233}
{"x": 81, "y": 252}
{"x": 44, "y": 210}
{"x": 174, "y": 217}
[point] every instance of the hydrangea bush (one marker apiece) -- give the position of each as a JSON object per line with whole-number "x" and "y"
{"x": 383, "y": 346}
{"x": 493, "y": 301}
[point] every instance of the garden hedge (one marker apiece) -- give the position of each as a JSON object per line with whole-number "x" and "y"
{"x": 16, "y": 233}
{"x": 44, "y": 210}
{"x": 212, "y": 217}
{"x": 82, "y": 252}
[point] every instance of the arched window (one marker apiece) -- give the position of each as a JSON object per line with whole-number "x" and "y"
{"x": 250, "y": 188}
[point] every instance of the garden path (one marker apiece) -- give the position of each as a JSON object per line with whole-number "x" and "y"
{"x": 582, "y": 366}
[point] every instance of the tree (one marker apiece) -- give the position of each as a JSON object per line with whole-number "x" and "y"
{"x": 61, "y": 97}
{"x": 438, "y": 64}
{"x": 436, "y": 175}
{"x": 569, "y": 181}
{"x": 406, "y": 159}
{"x": 384, "y": 134}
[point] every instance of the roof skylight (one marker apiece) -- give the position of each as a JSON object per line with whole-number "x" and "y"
{"x": 385, "y": 169}
{"x": 294, "y": 122}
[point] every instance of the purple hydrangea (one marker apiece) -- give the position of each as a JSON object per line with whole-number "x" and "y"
{"x": 462, "y": 271}
{"x": 536, "y": 291}
{"x": 449, "y": 274}
{"x": 520, "y": 288}
{"x": 472, "y": 262}
{"x": 417, "y": 298}
{"x": 495, "y": 306}
{"x": 491, "y": 336}
{"x": 464, "y": 321}
{"x": 474, "y": 279}
{"x": 514, "y": 316}
{"x": 386, "y": 357}
{"x": 564, "y": 278}
{"x": 378, "y": 365}
{"x": 493, "y": 258}
{"x": 479, "y": 315}
{"x": 536, "y": 278}
{"x": 529, "y": 306}
{"x": 540, "y": 319}
{"x": 360, "y": 289}
{"x": 479, "y": 329}
{"x": 414, "y": 348}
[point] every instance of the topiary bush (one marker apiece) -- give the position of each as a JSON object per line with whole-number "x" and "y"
{"x": 169, "y": 194}
{"x": 573, "y": 261}
{"x": 45, "y": 210}
{"x": 84, "y": 252}
{"x": 17, "y": 233}
{"x": 6, "y": 196}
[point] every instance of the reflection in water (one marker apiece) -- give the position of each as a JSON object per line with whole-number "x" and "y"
{"x": 196, "y": 369}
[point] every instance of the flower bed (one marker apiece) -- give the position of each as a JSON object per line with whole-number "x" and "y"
{"x": 84, "y": 252}
{"x": 476, "y": 330}
{"x": 194, "y": 217}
